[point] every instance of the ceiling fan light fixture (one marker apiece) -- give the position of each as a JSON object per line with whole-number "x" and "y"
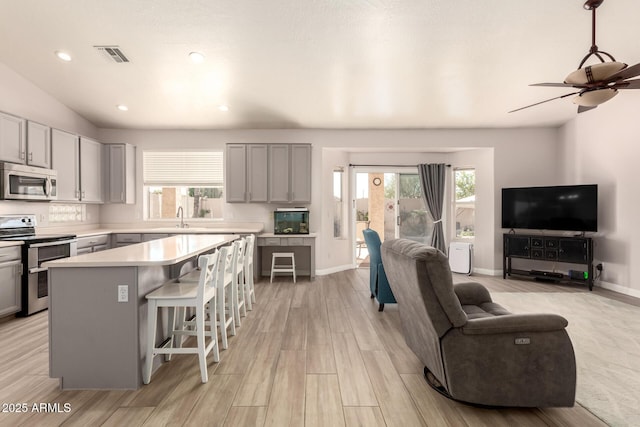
{"x": 594, "y": 73}
{"x": 594, "y": 98}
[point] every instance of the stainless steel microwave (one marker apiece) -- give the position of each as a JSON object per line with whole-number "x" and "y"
{"x": 20, "y": 182}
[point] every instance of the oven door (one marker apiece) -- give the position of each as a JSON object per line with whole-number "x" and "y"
{"x": 35, "y": 294}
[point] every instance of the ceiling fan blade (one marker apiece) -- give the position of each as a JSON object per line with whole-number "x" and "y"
{"x": 555, "y": 85}
{"x": 582, "y": 109}
{"x": 629, "y": 84}
{"x": 542, "y": 102}
{"x": 625, "y": 73}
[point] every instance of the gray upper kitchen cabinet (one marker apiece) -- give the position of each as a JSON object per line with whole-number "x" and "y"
{"x": 300, "y": 173}
{"x": 121, "y": 179}
{"x": 12, "y": 138}
{"x": 279, "y": 171}
{"x": 290, "y": 173}
{"x": 38, "y": 145}
{"x": 90, "y": 170}
{"x": 78, "y": 161}
{"x": 65, "y": 159}
{"x": 235, "y": 179}
{"x": 246, "y": 173}
{"x": 25, "y": 142}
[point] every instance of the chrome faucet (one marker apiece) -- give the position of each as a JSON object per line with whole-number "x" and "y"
{"x": 180, "y": 214}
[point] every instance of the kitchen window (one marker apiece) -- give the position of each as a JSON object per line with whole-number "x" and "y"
{"x": 192, "y": 180}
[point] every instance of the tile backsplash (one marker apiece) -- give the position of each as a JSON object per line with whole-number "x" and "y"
{"x": 65, "y": 213}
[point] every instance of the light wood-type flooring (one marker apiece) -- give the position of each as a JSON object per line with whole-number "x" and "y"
{"x": 310, "y": 354}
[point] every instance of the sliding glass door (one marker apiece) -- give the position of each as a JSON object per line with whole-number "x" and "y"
{"x": 390, "y": 203}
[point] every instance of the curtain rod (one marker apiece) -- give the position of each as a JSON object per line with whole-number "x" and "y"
{"x": 386, "y": 166}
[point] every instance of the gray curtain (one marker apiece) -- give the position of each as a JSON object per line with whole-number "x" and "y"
{"x": 432, "y": 181}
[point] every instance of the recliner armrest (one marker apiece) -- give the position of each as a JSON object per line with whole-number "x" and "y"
{"x": 510, "y": 323}
{"x": 471, "y": 293}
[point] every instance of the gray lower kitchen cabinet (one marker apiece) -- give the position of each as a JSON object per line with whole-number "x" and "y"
{"x": 147, "y": 237}
{"x": 124, "y": 239}
{"x": 10, "y": 279}
{"x": 246, "y": 173}
{"x": 91, "y": 244}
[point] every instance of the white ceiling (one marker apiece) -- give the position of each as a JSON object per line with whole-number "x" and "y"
{"x": 313, "y": 64}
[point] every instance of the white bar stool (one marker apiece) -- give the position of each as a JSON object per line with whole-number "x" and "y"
{"x": 239, "y": 307}
{"x": 225, "y": 294}
{"x": 283, "y": 268}
{"x": 177, "y": 296}
{"x": 249, "y": 288}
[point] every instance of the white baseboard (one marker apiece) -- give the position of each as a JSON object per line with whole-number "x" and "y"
{"x": 487, "y": 272}
{"x": 331, "y": 270}
{"x": 617, "y": 288}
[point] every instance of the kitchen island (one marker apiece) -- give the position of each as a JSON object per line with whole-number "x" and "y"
{"x": 98, "y": 310}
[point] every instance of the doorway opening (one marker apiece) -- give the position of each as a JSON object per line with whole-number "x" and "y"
{"x": 389, "y": 202}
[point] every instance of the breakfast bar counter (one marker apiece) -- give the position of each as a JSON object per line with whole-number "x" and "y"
{"x": 98, "y": 310}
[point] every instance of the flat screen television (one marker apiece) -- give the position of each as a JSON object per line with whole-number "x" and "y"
{"x": 566, "y": 207}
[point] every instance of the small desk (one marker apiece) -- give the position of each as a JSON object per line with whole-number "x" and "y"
{"x": 303, "y": 245}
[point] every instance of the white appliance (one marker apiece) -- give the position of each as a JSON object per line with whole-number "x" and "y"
{"x": 461, "y": 257}
{"x": 20, "y": 182}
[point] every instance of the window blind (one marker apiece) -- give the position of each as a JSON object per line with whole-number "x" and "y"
{"x": 178, "y": 168}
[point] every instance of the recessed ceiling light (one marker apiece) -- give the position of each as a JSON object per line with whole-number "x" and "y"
{"x": 122, "y": 107}
{"x": 196, "y": 57}
{"x": 223, "y": 108}
{"x": 63, "y": 55}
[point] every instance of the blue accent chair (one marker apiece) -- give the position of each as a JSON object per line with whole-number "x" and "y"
{"x": 378, "y": 282}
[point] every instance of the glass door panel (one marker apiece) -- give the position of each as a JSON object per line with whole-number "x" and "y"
{"x": 413, "y": 220}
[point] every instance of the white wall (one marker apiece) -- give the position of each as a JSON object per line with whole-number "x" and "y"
{"x": 520, "y": 157}
{"x": 22, "y": 98}
{"x": 602, "y": 147}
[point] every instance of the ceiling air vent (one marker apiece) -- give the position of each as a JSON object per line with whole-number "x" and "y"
{"x": 112, "y": 52}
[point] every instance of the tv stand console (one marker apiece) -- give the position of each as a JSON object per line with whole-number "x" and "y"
{"x": 552, "y": 249}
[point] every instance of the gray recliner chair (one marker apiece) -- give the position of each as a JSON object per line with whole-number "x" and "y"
{"x": 473, "y": 349}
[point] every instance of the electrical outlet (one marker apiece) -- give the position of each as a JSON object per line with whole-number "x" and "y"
{"x": 599, "y": 267}
{"x": 123, "y": 293}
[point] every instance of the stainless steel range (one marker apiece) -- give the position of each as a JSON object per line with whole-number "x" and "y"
{"x": 36, "y": 250}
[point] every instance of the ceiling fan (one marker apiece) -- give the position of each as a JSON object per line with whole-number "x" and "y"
{"x": 596, "y": 83}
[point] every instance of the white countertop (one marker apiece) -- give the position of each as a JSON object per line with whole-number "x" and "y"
{"x": 222, "y": 228}
{"x": 167, "y": 251}
{"x": 171, "y": 230}
{"x": 286, "y": 235}
{"x": 11, "y": 243}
